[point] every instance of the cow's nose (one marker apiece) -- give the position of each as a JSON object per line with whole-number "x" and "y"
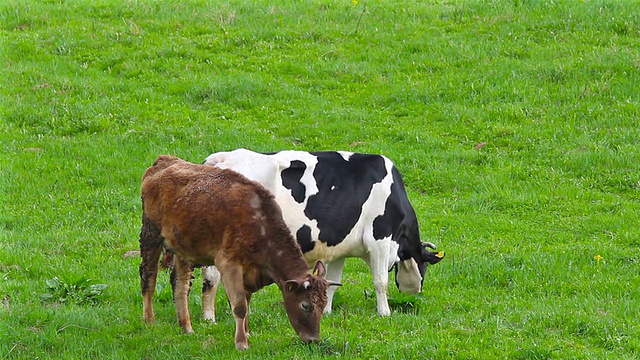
{"x": 308, "y": 339}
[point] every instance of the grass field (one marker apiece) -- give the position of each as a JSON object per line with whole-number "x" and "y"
{"x": 515, "y": 124}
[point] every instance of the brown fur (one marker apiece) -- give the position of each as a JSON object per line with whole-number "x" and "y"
{"x": 208, "y": 216}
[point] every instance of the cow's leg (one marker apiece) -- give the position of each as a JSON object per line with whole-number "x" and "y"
{"x": 148, "y": 277}
{"x": 334, "y": 273}
{"x": 378, "y": 260}
{"x": 233, "y": 282}
{"x": 181, "y": 282}
{"x": 246, "y": 319}
{"x": 150, "y": 250}
{"x": 210, "y": 282}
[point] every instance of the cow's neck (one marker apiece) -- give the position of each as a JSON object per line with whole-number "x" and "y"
{"x": 286, "y": 263}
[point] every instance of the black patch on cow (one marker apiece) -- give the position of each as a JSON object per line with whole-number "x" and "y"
{"x": 291, "y": 179}
{"x": 303, "y": 235}
{"x": 343, "y": 187}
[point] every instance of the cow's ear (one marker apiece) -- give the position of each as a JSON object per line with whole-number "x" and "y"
{"x": 433, "y": 257}
{"x": 319, "y": 269}
{"x": 292, "y": 285}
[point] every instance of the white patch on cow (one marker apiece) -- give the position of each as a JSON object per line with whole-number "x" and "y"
{"x": 345, "y": 155}
{"x": 255, "y": 166}
{"x": 258, "y": 216}
{"x": 393, "y": 255}
{"x": 211, "y": 275}
{"x": 306, "y": 285}
{"x": 255, "y": 201}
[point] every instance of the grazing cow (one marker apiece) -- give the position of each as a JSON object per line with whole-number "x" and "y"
{"x": 338, "y": 205}
{"x": 207, "y": 216}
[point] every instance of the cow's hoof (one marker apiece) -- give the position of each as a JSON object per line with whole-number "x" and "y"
{"x": 242, "y": 346}
{"x": 209, "y": 317}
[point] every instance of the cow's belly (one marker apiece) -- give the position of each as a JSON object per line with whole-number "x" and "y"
{"x": 349, "y": 247}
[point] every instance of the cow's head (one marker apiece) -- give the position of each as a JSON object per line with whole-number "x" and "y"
{"x": 304, "y": 301}
{"x": 412, "y": 266}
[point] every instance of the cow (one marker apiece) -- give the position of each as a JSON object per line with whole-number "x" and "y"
{"x": 338, "y": 204}
{"x": 210, "y": 216}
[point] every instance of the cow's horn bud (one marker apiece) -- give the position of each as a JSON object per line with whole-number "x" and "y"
{"x": 429, "y": 245}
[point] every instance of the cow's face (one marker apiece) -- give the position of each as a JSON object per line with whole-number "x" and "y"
{"x": 410, "y": 272}
{"x": 304, "y": 301}
{"x": 409, "y": 278}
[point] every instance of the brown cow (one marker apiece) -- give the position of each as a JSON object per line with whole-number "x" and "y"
{"x": 208, "y": 216}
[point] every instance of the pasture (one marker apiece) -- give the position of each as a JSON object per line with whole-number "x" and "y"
{"x": 514, "y": 122}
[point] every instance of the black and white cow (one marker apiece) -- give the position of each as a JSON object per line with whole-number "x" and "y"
{"x": 338, "y": 205}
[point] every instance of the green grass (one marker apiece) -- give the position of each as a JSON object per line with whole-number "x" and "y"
{"x": 515, "y": 124}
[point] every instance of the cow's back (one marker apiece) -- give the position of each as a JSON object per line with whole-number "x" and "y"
{"x": 195, "y": 205}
